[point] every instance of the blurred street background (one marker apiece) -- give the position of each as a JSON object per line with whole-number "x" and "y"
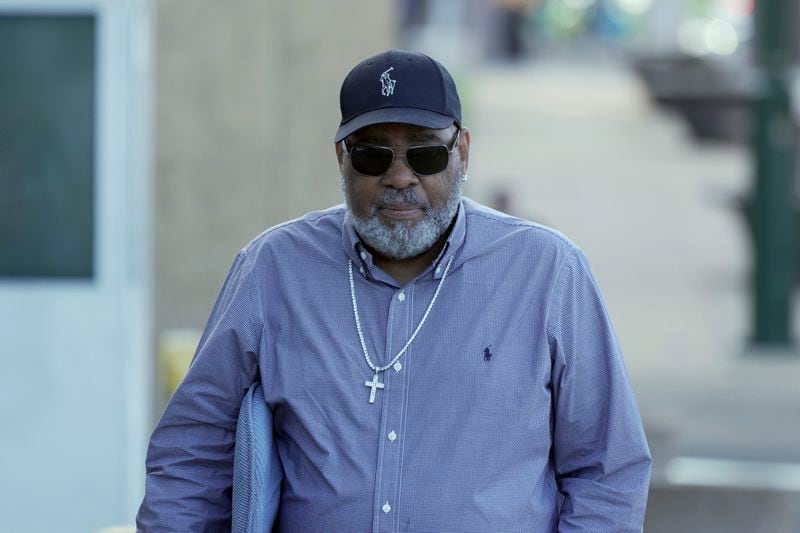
{"x": 143, "y": 143}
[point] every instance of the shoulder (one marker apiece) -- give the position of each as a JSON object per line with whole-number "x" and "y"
{"x": 315, "y": 232}
{"x": 489, "y": 229}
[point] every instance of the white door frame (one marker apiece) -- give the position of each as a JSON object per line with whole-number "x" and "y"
{"x": 123, "y": 242}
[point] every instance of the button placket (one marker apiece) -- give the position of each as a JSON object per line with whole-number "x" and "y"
{"x": 399, "y": 327}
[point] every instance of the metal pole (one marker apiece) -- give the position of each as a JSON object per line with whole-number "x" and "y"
{"x": 774, "y": 144}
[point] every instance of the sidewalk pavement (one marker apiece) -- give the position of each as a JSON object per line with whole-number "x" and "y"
{"x": 580, "y": 148}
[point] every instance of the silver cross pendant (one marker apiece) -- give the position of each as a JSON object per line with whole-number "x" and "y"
{"x": 374, "y": 385}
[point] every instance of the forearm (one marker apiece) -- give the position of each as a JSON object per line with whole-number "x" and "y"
{"x": 600, "y": 502}
{"x": 189, "y": 477}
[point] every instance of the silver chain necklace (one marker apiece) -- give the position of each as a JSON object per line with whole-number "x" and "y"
{"x": 374, "y": 385}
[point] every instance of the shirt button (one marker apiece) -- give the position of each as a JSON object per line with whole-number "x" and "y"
{"x": 438, "y": 270}
{"x": 386, "y": 507}
{"x": 392, "y": 436}
{"x": 401, "y": 297}
{"x": 364, "y": 256}
{"x": 361, "y": 269}
{"x": 398, "y": 367}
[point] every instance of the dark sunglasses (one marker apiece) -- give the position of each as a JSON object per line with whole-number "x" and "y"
{"x": 423, "y": 160}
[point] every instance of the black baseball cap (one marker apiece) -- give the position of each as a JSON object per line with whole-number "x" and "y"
{"x": 398, "y": 87}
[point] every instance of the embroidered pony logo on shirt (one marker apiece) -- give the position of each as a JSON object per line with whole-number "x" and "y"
{"x": 387, "y": 83}
{"x": 487, "y": 353}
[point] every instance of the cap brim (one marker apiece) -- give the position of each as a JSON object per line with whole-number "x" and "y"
{"x": 395, "y": 115}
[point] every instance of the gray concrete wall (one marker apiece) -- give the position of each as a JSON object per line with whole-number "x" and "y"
{"x": 246, "y": 108}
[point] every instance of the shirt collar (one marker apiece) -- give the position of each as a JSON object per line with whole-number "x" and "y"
{"x": 362, "y": 259}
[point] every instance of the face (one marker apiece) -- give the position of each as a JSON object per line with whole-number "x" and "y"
{"x": 401, "y": 214}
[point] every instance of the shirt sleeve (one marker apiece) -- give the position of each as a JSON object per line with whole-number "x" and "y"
{"x": 602, "y": 462}
{"x": 190, "y": 457}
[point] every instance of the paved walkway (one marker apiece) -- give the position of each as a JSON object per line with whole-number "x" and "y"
{"x": 582, "y": 150}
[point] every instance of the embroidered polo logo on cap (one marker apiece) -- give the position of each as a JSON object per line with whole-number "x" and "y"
{"x": 387, "y": 83}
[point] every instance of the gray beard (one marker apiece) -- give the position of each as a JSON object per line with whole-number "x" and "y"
{"x": 406, "y": 239}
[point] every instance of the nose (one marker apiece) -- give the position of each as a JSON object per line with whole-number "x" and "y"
{"x": 399, "y": 175}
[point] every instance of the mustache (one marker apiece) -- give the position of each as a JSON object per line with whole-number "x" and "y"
{"x": 405, "y": 197}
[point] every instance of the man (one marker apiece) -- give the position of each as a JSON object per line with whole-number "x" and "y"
{"x": 430, "y": 364}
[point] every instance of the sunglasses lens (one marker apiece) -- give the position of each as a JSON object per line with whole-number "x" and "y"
{"x": 427, "y": 160}
{"x": 371, "y": 160}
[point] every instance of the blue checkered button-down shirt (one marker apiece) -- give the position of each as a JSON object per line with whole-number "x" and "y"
{"x": 511, "y": 410}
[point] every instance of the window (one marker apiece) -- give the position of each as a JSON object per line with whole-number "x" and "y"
{"x": 47, "y": 146}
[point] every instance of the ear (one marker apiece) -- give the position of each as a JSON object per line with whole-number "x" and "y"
{"x": 463, "y": 149}
{"x": 339, "y": 156}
